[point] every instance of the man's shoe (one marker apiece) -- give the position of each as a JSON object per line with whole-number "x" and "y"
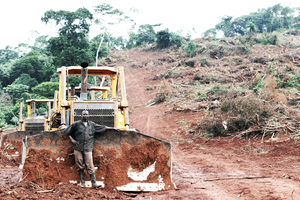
{"x": 82, "y": 178}
{"x": 94, "y": 182}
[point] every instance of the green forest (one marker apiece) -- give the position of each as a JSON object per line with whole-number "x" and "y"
{"x": 29, "y": 72}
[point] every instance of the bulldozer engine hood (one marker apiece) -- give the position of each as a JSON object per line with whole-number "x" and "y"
{"x": 84, "y": 134}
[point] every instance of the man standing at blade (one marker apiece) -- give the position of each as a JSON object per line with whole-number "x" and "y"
{"x": 82, "y": 134}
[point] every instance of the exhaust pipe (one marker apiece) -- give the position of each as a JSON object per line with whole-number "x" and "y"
{"x": 84, "y": 77}
{"x": 72, "y": 90}
{"x": 33, "y": 109}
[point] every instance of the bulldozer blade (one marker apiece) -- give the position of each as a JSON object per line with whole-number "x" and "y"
{"x": 11, "y": 143}
{"x": 124, "y": 160}
{"x": 16, "y": 136}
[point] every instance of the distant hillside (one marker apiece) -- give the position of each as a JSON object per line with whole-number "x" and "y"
{"x": 246, "y": 85}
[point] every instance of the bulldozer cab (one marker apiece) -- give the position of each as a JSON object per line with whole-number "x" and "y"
{"x": 110, "y": 110}
{"x": 35, "y": 122}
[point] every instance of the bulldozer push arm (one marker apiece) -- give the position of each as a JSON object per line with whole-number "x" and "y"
{"x": 126, "y": 160}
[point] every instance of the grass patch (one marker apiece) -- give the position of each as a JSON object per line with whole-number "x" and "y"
{"x": 183, "y": 122}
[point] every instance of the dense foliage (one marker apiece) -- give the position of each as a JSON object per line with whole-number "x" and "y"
{"x": 270, "y": 19}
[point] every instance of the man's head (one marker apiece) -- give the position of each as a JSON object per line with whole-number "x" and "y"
{"x": 85, "y": 115}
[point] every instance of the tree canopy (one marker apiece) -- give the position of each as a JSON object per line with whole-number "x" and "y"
{"x": 46, "y": 89}
{"x": 31, "y": 64}
{"x": 71, "y": 47}
{"x": 269, "y": 19}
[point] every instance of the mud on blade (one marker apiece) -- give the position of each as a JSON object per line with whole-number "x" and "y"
{"x": 125, "y": 160}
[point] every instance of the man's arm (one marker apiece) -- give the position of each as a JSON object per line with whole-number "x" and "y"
{"x": 76, "y": 142}
{"x": 112, "y": 128}
{"x": 68, "y": 131}
{"x": 102, "y": 128}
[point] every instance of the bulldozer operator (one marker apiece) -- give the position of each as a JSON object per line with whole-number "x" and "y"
{"x": 81, "y": 134}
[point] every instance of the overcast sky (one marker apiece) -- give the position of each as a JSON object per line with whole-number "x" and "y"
{"x": 21, "y": 19}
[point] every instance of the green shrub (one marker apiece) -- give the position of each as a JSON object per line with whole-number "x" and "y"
{"x": 190, "y": 48}
{"x": 166, "y": 39}
{"x": 183, "y": 122}
{"x": 175, "y": 39}
{"x": 292, "y": 82}
{"x": 163, "y": 39}
{"x": 269, "y": 39}
{"x": 149, "y": 87}
{"x": 217, "y": 90}
{"x": 258, "y": 83}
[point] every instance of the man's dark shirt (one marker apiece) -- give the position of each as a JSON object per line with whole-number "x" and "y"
{"x": 84, "y": 134}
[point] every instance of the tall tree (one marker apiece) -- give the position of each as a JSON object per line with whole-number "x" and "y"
{"x": 226, "y": 26}
{"x": 107, "y": 42}
{"x": 287, "y": 18}
{"x": 71, "y": 47}
{"x": 109, "y": 17}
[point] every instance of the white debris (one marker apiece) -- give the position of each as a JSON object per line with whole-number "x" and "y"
{"x": 225, "y": 125}
{"x": 73, "y": 182}
{"x": 59, "y": 159}
{"x": 141, "y": 176}
{"x": 149, "y": 187}
{"x": 160, "y": 179}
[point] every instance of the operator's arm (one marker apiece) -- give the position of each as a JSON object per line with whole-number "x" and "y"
{"x": 102, "y": 128}
{"x": 99, "y": 128}
{"x": 76, "y": 142}
{"x": 112, "y": 128}
{"x": 68, "y": 131}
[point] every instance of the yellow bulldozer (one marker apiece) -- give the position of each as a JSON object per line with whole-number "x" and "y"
{"x": 126, "y": 160}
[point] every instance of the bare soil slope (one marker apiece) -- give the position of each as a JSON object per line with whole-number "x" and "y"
{"x": 216, "y": 168}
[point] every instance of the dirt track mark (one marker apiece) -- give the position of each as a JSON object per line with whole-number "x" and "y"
{"x": 191, "y": 175}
